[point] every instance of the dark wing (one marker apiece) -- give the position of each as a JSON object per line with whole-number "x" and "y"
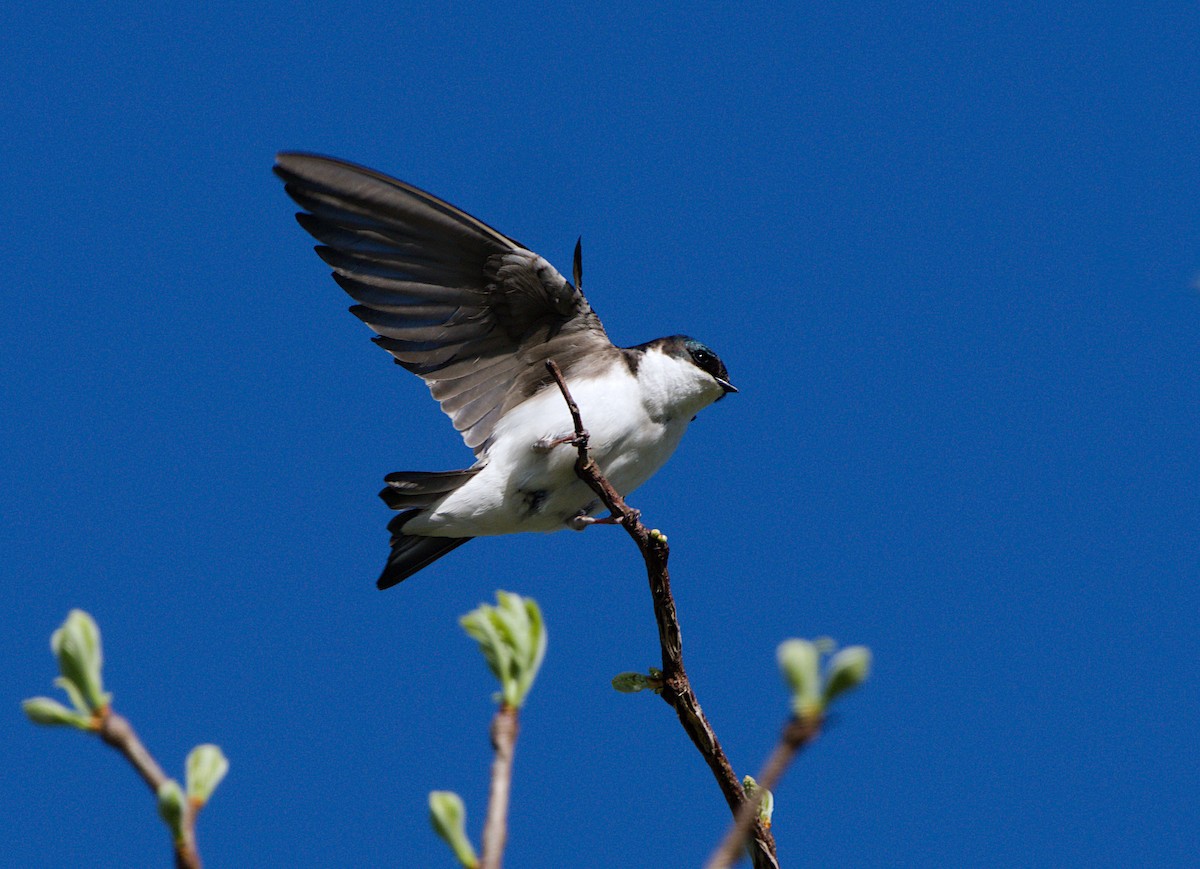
{"x": 471, "y": 311}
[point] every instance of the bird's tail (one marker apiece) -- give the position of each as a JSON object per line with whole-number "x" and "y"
{"x": 411, "y": 552}
{"x": 408, "y": 489}
{"x": 412, "y": 491}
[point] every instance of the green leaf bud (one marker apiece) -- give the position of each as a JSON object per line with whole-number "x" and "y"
{"x": 77, "y": 699}
{"x": 171, "y": 806}
{"x": 77, "y": 646}
{"x": 847, "y": 669}
{"x": 512, "y": 637}
{"x": 766, "y": 808}
{"x": 631, "y": 683}
{"x": 798, "y": 661}
{"x": 448, "y": 816}
{"x": 44, "y": 710}
{"x": 206, "y": 766}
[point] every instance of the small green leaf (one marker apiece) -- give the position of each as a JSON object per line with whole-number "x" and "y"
{"x": 77, "y": 699}
{"x": 448, "y": 816}
{"x": 799, "y": 663}
{"x": 80, "y": 659}
{"x": 171, "y": 806}
{"x": 44, "y": 710}
{"x": 206, "y": 766}
{"x": 480, "y": 627}
{"x": 630, "y": 683}
{"x": 847, "y": 669}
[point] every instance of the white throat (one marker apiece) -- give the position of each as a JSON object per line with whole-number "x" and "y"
{"x": 672, "y": 387}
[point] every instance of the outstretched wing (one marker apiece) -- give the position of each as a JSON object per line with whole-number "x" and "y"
{"x": 471, "y": 311}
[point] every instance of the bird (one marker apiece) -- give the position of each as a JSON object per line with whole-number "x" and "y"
{"x": 477, "y": 315}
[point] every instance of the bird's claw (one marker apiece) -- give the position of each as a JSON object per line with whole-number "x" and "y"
{"x": 578, "y": 523}
{"x": 576, "y": 440}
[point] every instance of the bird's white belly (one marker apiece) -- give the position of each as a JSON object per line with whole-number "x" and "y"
{"x": 524, "y": 487}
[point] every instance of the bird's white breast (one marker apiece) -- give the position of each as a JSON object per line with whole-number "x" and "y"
{"x": 634, "y": 423}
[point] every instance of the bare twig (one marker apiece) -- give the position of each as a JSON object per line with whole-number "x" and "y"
{"x": 116, "y": 731}
{"x": 798, "y": 733}
{"x": 495, "y": 830}
{"x": 677, "y": 689}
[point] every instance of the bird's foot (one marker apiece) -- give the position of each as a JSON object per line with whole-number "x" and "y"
{"x": 545, "y": 445}
{"x": 578, "y": 523}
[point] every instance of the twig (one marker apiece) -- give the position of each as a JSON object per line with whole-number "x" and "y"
{"x": 677, "y": 689}
{"x": 495, "y": 830}
{"x": 116, "y": 731}
{"x": 798, "y": 733}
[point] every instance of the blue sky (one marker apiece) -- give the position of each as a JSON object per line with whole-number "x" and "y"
{"x": 950, "y": 259}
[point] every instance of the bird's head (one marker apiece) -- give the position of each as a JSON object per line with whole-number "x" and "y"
{"x": 706, "y": 360}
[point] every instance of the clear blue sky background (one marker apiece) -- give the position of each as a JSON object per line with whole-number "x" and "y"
{"x": 949, "y": 257}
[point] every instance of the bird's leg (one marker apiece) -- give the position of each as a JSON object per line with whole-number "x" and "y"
{"x": 576, "y": 440}
{"x": 583, "y": 520}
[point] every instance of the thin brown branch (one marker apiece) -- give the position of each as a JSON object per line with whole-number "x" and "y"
{"x": 495, "y": 830}
{"x": 797, "y": 733}
{"x": 677, "y": 689}
{"x": 116, "y": 731}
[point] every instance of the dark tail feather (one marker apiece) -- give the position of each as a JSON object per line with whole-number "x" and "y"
{"x": 411, "y": 552}
{"x": 407, "y": 489}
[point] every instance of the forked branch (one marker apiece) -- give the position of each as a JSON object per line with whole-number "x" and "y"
{"x": 116, "y": 731}
{"x": 798, "y": 733}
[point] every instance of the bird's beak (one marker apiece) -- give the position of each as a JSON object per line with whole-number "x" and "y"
{"x": 726, "y": 385}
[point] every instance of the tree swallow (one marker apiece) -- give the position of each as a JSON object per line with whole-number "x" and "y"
{"x": 476, "y": 315}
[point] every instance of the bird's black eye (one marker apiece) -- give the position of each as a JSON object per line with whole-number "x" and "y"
{"x": 708, "y": 361}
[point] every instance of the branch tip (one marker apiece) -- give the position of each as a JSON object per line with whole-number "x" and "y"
{"x": 676, "y": 687}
